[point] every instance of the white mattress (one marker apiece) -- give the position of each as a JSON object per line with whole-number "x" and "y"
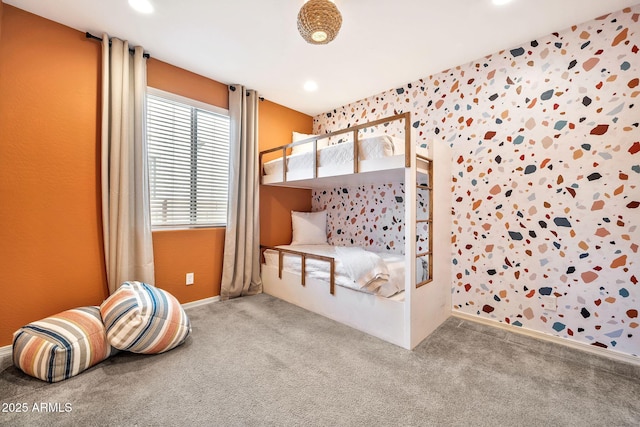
{"x": 318, "y": 269}
{"x": 374, "y": 147}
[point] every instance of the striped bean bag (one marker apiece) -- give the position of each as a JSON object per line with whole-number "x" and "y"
{"x": 61, "y": 346}
{"x": 141, "y": 318}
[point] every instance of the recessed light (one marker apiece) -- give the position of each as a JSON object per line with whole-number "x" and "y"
{"x": 311, "y": 86}
{"x": 500, "y": 2}
{"x": 142, "y": 6}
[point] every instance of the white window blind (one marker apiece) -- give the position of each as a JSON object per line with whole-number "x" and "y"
{"x": 188, "y": 148}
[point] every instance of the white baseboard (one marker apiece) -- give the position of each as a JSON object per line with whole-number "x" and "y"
{"x": 607, "y": 353}
{"x": 198, "y": 303}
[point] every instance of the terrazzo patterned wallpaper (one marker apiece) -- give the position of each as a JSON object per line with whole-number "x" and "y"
{"x": 546, "y": 178}
{"x": 370, "y": 216}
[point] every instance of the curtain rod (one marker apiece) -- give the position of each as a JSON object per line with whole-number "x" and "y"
{"x": 146, "y": 55}
{"x": 233, "y": 88}
{"x": 91, "y": 36}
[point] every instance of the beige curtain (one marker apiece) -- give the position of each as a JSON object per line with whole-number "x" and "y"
{"x": 126, "y": 219}
{"x": 241, "y": 265}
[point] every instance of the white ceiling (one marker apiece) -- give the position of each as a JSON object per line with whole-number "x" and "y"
{"x": 382, "y": 44}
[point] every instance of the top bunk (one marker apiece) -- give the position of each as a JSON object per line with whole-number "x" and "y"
{"x": 382, "y": 151}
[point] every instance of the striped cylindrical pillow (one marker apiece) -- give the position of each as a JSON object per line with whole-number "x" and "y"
{"x": 141, "y": 318}
{"x": 61, "y": 346}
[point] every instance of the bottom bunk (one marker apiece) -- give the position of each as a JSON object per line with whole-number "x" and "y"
{"x": 365, "y": 291}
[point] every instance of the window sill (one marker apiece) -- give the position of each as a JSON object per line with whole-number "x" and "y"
{"x": 183, "y": 228}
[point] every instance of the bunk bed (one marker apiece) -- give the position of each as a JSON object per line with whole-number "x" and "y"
{"x": 389, "y": 295}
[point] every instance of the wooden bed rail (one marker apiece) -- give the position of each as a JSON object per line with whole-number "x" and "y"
{"x": 303, "y": 256}
{"x": 353, "y": 129}
{"x": 426, "y": 187}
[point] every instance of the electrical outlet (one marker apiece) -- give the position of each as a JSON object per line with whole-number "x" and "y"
{"x": 550, "y": 302}
{"x": 189, "y": 279}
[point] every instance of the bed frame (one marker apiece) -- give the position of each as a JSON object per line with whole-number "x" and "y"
{"x": 406, "y": 319}
{"x": 303, "y": 264}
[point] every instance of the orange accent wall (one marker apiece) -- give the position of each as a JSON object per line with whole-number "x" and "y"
{"x": 276, "y": 203}
{"x": 197, "y": 251}
{"x": 1, "y": 13}
{"x": 170, "y": 78}
{"x": 51, "y": 256}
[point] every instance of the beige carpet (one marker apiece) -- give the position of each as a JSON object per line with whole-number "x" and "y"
{"x": 258, "y": 361}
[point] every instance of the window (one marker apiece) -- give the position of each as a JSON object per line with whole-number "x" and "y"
{"x": 188, "y": 148}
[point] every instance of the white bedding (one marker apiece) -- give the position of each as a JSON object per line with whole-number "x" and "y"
{"x": 367, "y": 269}
{"x": 368, "y": 148}
{"x": 378, "y": 273}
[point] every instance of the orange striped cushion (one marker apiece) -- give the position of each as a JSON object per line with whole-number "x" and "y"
{"x": 144, "y": 319}
{"x": 61, "y": 346}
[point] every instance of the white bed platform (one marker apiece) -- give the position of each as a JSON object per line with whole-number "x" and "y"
{"x": 369, "y": 173}
{"x": 377, "y": 316}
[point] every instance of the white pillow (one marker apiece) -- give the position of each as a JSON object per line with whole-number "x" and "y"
{"x": 296, "y": 136}
{"x": 309, "y": 228}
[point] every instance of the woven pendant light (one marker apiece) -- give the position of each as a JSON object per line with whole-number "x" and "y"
{"x": 319, "y": 21}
